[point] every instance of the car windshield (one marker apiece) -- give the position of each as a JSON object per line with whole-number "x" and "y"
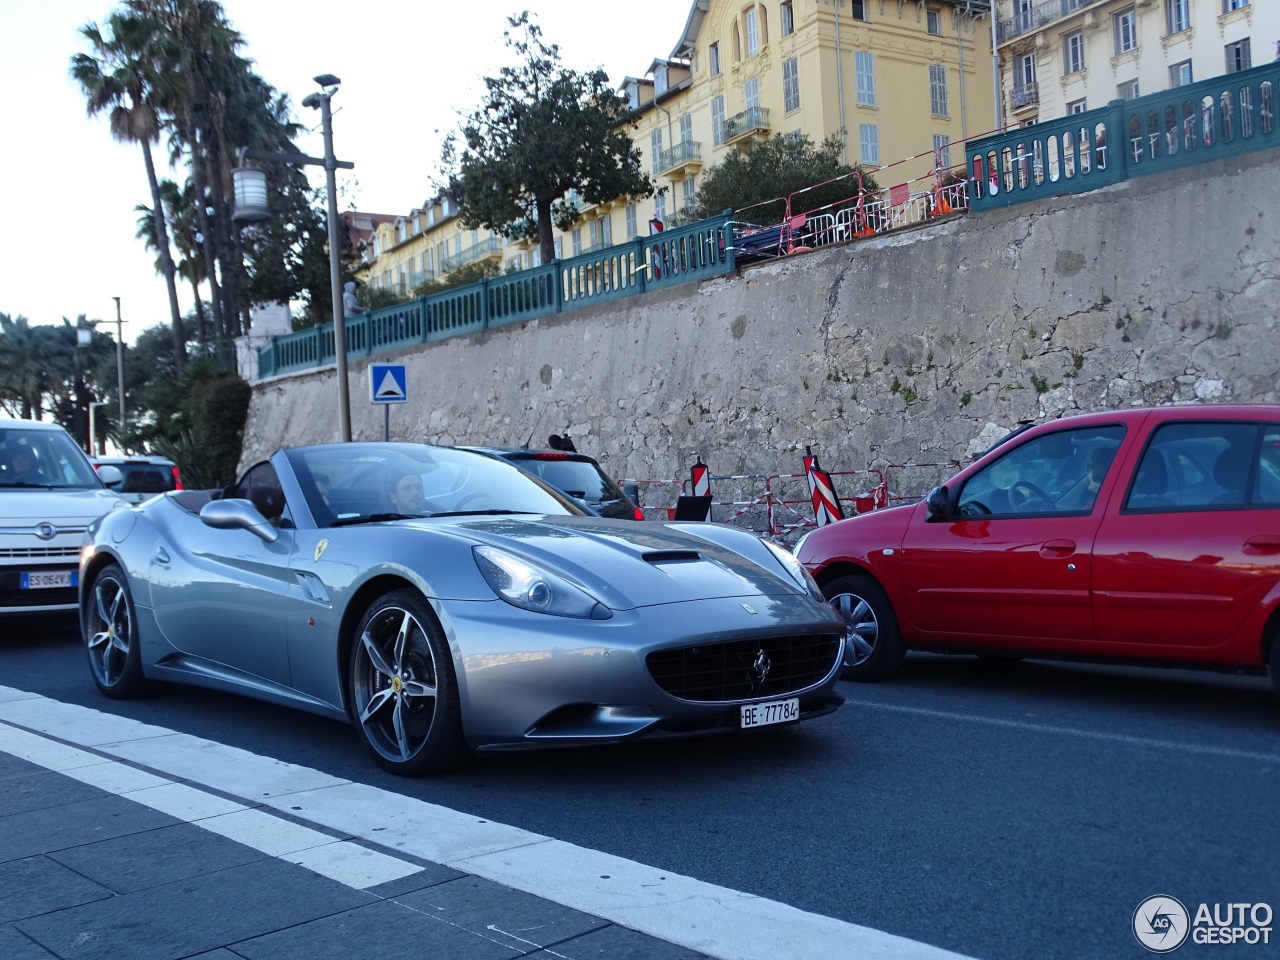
{"x": 579, "y": 478}
{"x": 365, "y": 482}
{"x": 43, "y": 459}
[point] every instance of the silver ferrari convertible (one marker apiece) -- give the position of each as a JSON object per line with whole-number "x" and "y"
{"x": 443, "y": 601}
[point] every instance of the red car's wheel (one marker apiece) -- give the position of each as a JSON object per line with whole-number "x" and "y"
{"x": 873, "y": 645}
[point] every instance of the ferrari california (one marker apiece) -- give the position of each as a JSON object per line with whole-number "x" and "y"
{"x": 445, "y": 602}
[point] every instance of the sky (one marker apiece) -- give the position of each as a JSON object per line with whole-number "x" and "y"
{"x": 409, "y": 69}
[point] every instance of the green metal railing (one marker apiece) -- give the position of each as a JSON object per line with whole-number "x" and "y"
{"x": 1221, "y": 117}
{"x": 696, "y": 251}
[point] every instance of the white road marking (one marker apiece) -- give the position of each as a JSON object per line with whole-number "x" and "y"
{"x": 714, "y": 920}
{"x": 1122, "y": 738}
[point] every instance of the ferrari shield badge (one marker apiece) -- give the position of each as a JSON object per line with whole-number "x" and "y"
{"x": 321, "y": 547}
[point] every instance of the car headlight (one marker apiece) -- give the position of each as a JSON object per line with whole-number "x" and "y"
{"x": 525, "y": 585}
{"x": 795, "y": 568}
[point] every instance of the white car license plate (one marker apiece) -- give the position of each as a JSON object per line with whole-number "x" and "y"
{"x": 772, "y": 711}
{"x": 43, "y": 581}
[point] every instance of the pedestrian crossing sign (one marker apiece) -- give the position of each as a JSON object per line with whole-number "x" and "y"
{"x": 387, "y": 383}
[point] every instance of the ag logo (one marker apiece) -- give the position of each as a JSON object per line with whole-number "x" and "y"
{"x": 1161, "y": 924}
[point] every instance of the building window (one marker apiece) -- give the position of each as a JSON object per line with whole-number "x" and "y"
{"x": 557, "y": 246}
{"x": 1238, "y": 57}
{"x": 431, "y": 217}
{"x": 1128, "y": 90}
{"x": 934, "y": 20}
{"x": 791, "y": 84}
{"x": 1179, "y": 15}
{"x": 660, "y": 205}
{"x": 938, "y": 89}
{"x": 717, "y": 120}
{"x": 689, "y": 194}
{"x": 1125, "y": 24}
{"x": 1229, "y": 5}
{"x": 714, "y": 51}
{"x": 1077, "y": 106}
{"x": 606, "y": 231}
{"x": 795, "y": 136}
{"x": 1180, "y": 74}
{"x": 417, "y": 224}
{"x": 753, "y": 33}
{"x": 660, "y": 79}
{"x": 1073, "y": 53}
{"x": 632, "y": 230}
{"x": 869, "y": 143}
{"x": 864, "y": 64}
{"x": 402, "y": 233}
{"x": 751, "y": 93}
{"x": 788, "y": 17}
{"x": 686, "y": 127}
{"x": 1026, "y": 69}
{"x": 942, "y": 150}
{"x": 859, "y": 10}
{"x": 655, "y": 148}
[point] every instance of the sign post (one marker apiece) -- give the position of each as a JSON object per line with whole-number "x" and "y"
{"x": 387, "y": 385}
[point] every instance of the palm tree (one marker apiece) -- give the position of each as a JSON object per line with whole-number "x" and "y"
{"x": 23, "y": 367}
{"x": 119, "y": 77}
{"x": 198, "y": 45}
{"x": 178, "y": 210}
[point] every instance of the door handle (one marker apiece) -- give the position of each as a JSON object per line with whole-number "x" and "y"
{"x": 1263, "y": 545}
{"x": 162, "y": 555}
{"x": 1055, "y": 549}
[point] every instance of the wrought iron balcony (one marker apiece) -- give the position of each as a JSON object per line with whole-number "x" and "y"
{"x": 684, "y": 158}
{"x": 1031, "y": 19}
{"x": 1026, "y": 95}
{"x": 492, "y": 247}
{"x": 749, "y": 123}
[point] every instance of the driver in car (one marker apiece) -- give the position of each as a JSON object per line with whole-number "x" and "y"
{"x": 407, "y": 495}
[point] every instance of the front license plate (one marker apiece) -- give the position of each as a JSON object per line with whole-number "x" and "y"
{"x": 773, "y": 711}
{"x": 43, "y": 581}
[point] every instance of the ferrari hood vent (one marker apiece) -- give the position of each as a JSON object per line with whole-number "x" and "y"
{"x": 671, "y": 556}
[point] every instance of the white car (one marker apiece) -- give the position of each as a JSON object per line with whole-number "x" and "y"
{"x": 49, "y": 495}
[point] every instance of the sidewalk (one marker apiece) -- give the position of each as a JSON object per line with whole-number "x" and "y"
{"x": 86, "y": 873}
{"x": 121, "y": 840}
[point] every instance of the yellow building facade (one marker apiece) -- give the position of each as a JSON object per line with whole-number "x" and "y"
{"x": 894, "y": 79}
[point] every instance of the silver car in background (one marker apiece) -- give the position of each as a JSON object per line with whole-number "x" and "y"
{"x": 444, "y": 601}
{"x": 49, "y": 494}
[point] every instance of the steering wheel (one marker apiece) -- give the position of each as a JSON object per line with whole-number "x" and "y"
{"x": 974, "y": 508}
{"x": 1024, "y": 493}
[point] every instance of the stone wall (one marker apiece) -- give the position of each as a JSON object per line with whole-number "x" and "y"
{"x": 914, "y": 348}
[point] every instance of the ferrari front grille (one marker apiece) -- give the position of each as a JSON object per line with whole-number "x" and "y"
{"x": 744, "y": 669}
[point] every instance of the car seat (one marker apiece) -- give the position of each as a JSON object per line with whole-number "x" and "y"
{"x": 1151, "y": 485}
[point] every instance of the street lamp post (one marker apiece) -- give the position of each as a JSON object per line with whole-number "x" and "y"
{"x": 321, "y": 100}
{"x": 251, "y": 204}
{"x": 120, "y": 359}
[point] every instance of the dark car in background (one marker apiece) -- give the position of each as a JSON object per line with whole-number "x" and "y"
{"x": 576, "y": 474}
{"x": 142, "y": 476}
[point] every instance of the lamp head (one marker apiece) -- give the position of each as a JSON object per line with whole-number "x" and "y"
{"x": 327, "y": 80}
{"x": 311, "y": 100}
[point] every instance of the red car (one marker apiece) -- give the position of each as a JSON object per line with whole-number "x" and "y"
{"x": 1138, "y": 536}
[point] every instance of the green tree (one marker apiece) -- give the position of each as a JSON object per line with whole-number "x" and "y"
{"x": 770, "y": 170}
{"x": 120, "y": 77}
{"x": 541, "y": 130}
